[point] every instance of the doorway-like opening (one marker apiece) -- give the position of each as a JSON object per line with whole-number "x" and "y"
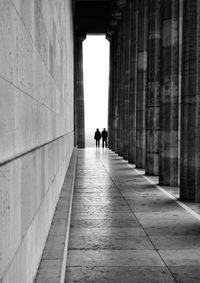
{"x": 96, "y": 79}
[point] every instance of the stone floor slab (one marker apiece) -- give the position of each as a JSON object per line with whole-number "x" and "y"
{"x": 176, "y": 242}
{"x": 177, "y": 229}
{"x": 53, "y": 251}
{"x": 84, "y": 202}
{"x": 97, "y": 189}
{"x": 118, "y": 275}
{"x": 58, "y": 227}
{"x": 100, "y": 213}
{"x": 49, "y": 271}
{"x": 109, "y": 238}
{"x": 95, "y": 194}
{"x": 114, "y": 258}
{"x": 184, "y": 257}
{"x": 186, "y": 274}
{"x": 105, "y": 222}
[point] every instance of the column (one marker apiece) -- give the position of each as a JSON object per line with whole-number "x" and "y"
{"x": 153, "y": 90}
{"x": 180, "y": 81}
{"x": 121, "y": 88}
{"x": 190, "y": 104}
{"x": 115, "y": 98}
{"x": 133, "y": 81}
{"x": 169, "y": 99}
{"x": 141, "y": 84}
{"x": 127, "y": 38}
{"x": 111, "y": 94}
{"x": 79, "y": 92}
{"x": 117, "y": 91}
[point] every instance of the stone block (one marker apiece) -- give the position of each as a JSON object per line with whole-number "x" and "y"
{"x": 25, "y": 9}
{"x": 8, "y": 45}
{"x": 25, "y": 59}
{"x": 142, "y": 61}
{"x": 40, "y": 35}
{"x": 5, "y": 218}
{"x": 28, "y": 190}
{"x": 170, "y": 32}
{"x": 15, "y": 205}
{"x": 153, "y": 97}
{"x": 23, "y": 123}
{"x": 10, "y": 212}
{"x": 7, "y": 99}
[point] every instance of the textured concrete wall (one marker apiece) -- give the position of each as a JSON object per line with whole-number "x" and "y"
{"x": 37, "y": 128}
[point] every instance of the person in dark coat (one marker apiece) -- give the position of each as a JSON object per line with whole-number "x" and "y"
{"x": 104, "y": 135}
{"x": 97, "y": 137}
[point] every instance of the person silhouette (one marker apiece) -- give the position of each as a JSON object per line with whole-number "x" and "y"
{"x": 104, "y": 135}
{"x": 97, "y": 137}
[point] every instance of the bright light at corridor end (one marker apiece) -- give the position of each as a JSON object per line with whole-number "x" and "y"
{"x": 96, "y": 75}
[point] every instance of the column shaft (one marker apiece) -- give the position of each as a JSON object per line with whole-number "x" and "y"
{"x": 111, "y": 94}
{"x": 141, "y": 83}
{"x": 127, "y": 45}
{"x": 79, "y": 93}
{"x": 133, "y": 81}
{"x": 153, "y": 90}
{"x": 169, "y": 99}
{"x": 121, "y": 91}
{"x": 190, "y": 99}
{"x": 118, "y": 82}
{"x": 115, "y": 101}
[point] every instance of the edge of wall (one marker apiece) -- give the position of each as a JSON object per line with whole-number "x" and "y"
{"x": 53, "y": 263}
{"x": 72, "y": 173}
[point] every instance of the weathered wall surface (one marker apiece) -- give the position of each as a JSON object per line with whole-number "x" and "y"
{"x": 36, "y": 126}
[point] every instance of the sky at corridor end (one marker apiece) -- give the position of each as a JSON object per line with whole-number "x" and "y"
{"x": 96, "y": 75}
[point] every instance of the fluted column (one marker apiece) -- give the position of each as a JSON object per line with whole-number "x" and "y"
{"x": 111, "y": 100}
{"x": 79, "y": 93}
{"x": 153, "y": 90}
{"x": 121, "y": 90}
{"x": 133, "y": 81}
{"x": 141, "y": 83}
{"x": 168, "y": 164}
{"x": 127, "y": 39}
{"x": 180, "y": 81}
{"x": 190, "y": 114}
{"x": 117, "y": 90}
{"x": 115, "y": 100}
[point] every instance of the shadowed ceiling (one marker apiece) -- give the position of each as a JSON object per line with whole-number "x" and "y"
{"x": 96, "y": 16}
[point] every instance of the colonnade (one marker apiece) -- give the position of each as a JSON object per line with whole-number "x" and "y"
{"x": 154, "y": 98}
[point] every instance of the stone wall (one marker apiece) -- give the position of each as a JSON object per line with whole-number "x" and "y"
{"x": 36, "y": 126}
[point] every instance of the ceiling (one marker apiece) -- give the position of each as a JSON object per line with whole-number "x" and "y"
{"x": 96, "y": 16}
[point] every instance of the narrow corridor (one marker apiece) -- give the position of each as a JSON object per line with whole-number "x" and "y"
{"x": 124, "y": 229}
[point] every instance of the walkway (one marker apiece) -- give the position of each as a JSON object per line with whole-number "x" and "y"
{"x": 124, "y": 229}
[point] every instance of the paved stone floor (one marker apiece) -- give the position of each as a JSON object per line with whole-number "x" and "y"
{"x": 124, "y": 229}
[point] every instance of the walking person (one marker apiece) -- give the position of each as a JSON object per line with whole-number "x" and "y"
{"x": 97, "y": 137}
{"x": 104, "y": 135}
